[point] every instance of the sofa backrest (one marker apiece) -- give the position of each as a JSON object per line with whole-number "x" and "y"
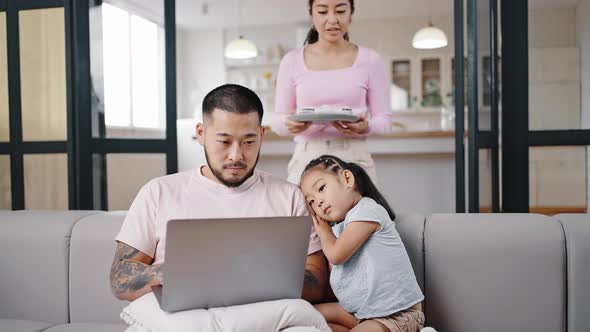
{"x": 34, "y": 249}
{"x": 479, "y": 272}
{"x": 577, "y": 239}
{"x": 491, "y": 272}
{"x": 91, "y": 255}
{"x": 410, "y": 226}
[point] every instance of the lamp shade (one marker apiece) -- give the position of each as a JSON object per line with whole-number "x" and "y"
{"x": 240, "y": 49}
{"x": 429, "y": 37}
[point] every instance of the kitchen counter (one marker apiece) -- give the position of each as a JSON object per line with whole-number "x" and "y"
{"x": 272, "y": 136}
{"x": 399, "y": 142}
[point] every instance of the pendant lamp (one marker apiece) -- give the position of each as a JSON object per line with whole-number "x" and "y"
{"x": 429, "y": 37}
{"x": 240, "y": 48}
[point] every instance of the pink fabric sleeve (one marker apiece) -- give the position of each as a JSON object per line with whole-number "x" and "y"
{"x": 301, "y": 210}
{"x": 378, "y": 98}
{"x": 138, "y": 229}
{"x": 285, "y": 102}
{"x": 286, "y": 98}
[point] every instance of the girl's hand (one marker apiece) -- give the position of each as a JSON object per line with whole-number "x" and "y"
{"x": 321, "y": 226}
{"x": 352, "y": 129}
{"x": 296, "y": 127}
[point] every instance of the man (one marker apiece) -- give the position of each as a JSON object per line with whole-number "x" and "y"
{"x": 228, "y": 186}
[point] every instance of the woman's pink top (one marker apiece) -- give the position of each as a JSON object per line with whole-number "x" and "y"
{"x": 364, "y": 87}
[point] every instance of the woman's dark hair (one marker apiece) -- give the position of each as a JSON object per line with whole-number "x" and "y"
{"x": 312, "y": 35}
{"x": 363, "y": 183}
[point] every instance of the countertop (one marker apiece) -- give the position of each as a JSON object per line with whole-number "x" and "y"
{"x": 272, "y": 136}
{"x": 399, "y": 142}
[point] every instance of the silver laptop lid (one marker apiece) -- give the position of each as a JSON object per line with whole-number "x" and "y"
{"x": 223, "y": 262}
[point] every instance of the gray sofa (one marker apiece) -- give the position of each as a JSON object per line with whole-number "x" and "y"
{"x": 480, "y": 272}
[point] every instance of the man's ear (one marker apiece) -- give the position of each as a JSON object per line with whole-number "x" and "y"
{"x": 262, "y": 131}
{"x": 348, "y": 178}
{"x": 200, "y": 129}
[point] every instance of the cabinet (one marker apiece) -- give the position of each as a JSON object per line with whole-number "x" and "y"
{"x": 422, "y": 81}
{"x": 429, "y": 80}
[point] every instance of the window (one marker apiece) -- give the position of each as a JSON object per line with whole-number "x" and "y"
{"x": 133, "y": 55}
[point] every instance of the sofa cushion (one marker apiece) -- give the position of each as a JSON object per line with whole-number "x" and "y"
{"x": 91, "y": 255}
{"x": 494, "y": 272}
{"x": 86, "y": 327}
{"x": 15, "y": 325}
{"x": 34, "y": 274}
{"x": 411, "y": 229}
{"x": 577, "y": 239}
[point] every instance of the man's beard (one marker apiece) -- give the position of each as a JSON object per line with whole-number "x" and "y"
{"x": 236, "y": 183}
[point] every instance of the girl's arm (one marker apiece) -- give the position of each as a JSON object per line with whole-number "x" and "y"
{"x": 339, "y": 250}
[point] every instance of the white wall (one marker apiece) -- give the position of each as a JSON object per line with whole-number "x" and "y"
{"x": 554, "y": 70}
{"x": 552, "y": 27}
{"x": 583, "y": 28}
{"x": 199, "y": 67}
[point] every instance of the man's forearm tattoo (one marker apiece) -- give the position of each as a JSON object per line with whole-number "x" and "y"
{"x": 310, "y": 280}
{"x": 128, "y": 275}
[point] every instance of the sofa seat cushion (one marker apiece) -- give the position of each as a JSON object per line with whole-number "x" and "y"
{"x": 88, "y": 327}
{"x": 16, "y": 325}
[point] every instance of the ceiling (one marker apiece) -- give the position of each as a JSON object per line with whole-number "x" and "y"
{"x": 205, "y": 14}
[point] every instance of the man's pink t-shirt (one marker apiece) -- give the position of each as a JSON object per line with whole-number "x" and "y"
{"x": 190, "y": 195}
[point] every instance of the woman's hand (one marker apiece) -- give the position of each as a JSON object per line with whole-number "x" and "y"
{"x": 352, "y": 129}
{"x": 296, "y": 127}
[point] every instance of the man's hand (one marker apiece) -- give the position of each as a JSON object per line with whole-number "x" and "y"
{"x": 132, "y": 273}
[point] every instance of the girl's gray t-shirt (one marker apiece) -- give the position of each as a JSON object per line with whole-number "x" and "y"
{"x": 378, "y": 279}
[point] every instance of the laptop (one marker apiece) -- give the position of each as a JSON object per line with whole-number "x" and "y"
{"x": 223, "y": 262}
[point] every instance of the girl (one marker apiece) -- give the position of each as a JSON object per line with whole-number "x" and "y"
{"x": 371, "y": 274}
{"x": 331, "y": 70}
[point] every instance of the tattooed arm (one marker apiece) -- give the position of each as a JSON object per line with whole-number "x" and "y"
{"x": 316, "y": 278}
{"x": 132, "y": 273}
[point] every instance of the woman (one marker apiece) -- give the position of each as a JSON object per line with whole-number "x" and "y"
{"x": 330, "y": 70}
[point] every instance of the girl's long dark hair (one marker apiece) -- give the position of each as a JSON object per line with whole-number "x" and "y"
{"x": 312, "y": 35}
{"x": 363, "y": 183}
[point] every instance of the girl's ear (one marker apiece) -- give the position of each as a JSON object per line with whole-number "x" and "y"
{"x": 348, "y": 178}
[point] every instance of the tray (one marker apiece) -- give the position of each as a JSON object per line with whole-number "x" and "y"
{"x": 323, "y": 117}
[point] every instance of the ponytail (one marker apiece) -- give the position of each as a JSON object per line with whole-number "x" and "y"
{"x": 313, "y": 36}
{"x": 363, "y": 183}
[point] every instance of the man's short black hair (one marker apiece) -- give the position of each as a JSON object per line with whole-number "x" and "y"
{"x": 233, "y": 98}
